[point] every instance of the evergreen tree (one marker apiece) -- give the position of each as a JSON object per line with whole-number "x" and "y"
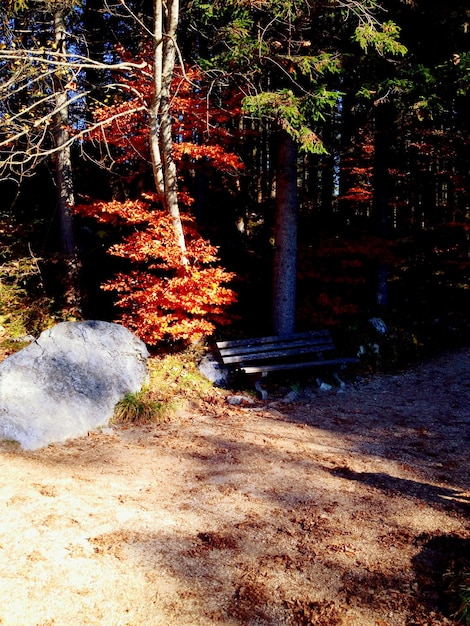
{"x": 286, "y": 59}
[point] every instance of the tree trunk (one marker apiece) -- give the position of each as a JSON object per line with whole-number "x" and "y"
{"x": 63, "y": 164}
{"x": 384, "y": 119}
{"x": 285, "y": 256}
{"x": 161, "y": 136}
{"x": 154, "y": 111}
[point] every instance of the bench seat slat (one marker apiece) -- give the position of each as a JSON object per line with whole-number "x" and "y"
{"x": 253, "y": 369}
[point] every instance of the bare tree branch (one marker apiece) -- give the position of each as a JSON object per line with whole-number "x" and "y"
{"x": 68, "y": 60}
{"x": 23, "y": 157}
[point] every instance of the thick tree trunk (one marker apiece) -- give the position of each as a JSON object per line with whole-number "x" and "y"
{"x": 285, "y": 256}
{"x": 161, "y": 137}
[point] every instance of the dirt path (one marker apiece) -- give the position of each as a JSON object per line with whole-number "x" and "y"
{"x": 336, "y": 509}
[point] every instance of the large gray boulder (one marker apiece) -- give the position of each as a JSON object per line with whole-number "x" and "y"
{"x": 68, "y": 381}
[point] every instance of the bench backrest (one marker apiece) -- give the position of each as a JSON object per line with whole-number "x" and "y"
{"x": 276, "y": 347}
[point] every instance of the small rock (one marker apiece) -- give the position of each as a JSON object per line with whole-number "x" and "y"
{"x": 239, "y": 400}
{"x": 322, "y": 386}
{"x": 290, "y": 397}
{"x": 108, "y": 431}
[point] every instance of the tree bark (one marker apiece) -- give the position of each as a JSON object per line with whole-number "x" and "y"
{"x": 285, "y": 255}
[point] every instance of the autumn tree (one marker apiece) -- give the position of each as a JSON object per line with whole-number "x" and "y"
{"x": 163, "y": 296}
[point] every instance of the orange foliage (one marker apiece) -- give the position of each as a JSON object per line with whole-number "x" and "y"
{"x": 202, "y": 131}
{"x": 183, "y": 307}
{"x": 357, "y": 195}
{"x": 161, "y": 299}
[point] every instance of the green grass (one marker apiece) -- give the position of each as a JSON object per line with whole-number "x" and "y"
{"x": 137, "y": 408}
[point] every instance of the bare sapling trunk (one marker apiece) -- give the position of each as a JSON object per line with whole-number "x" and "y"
{"x": 161, "y": 136}
{"x": 154, "y": 125}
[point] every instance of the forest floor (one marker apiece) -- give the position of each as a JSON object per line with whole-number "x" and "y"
{"x": 331, "y": 509}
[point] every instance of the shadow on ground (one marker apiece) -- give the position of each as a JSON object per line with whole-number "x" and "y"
{"x": 444, "y": 497}
{"x": 438, "y": 565}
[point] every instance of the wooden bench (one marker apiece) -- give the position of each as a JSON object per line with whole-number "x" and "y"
{"x": 281, "y": 353}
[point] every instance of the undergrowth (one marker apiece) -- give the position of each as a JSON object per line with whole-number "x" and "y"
{"x": 24, "y": 309}
{"x": 175, "y": 385}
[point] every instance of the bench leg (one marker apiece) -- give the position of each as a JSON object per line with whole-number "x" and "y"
{"x": 340, "y": 382}
{"x": 262, "y": 392}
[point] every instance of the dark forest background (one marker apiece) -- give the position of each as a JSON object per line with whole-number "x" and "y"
{"x": 384, "y": 213}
